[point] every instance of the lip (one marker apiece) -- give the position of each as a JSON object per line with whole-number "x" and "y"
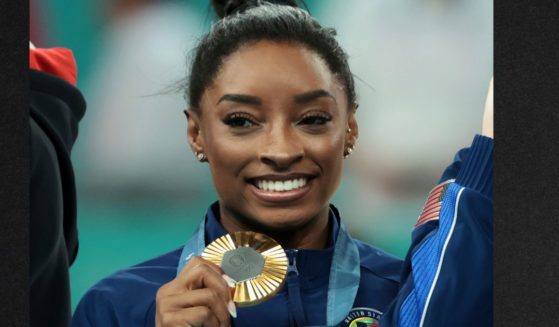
{"x": 281, "y": 197}
{"x": 276, "y": 177}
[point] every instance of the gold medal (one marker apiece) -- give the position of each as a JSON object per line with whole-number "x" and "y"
{"x": 255, "y": 261}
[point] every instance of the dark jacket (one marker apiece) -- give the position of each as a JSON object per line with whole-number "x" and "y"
{"x": 56, "y": 107}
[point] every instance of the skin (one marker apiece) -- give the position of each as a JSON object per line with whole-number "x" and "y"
{"x": 273, "y": 110}
{"x": 487, "y": 124}
{"x": 281, "y": 136}
{"x": 198, "y": 296}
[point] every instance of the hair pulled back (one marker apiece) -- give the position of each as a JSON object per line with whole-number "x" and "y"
{"x": 246, "y": 21}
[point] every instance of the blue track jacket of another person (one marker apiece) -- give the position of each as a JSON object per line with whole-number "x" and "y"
{"x": 447, "y": 278}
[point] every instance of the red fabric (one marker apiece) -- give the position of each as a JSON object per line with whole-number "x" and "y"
{"x": 56, "y": 61}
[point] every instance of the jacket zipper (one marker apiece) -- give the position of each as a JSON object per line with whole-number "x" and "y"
{"x": 295, "y": 304}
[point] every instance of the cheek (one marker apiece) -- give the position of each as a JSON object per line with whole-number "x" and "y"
{"x": 329, "y": 147}
{"x": 328, "y": 155}
{"x": 227, "y": 158}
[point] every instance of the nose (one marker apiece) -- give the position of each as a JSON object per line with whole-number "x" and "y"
{"x": 281, "y": 150}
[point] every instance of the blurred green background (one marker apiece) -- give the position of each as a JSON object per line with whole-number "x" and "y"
{"x": 422, "y": 69}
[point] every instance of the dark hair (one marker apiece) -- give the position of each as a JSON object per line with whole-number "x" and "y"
{"x": 244, "y": 22}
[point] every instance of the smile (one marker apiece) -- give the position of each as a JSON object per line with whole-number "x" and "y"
{"x": 279, "y": 189}
{"x": 281, "y": 186}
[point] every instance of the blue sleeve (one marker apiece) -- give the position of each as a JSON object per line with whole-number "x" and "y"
{"x": 125, "y": 298}
{"x": 447, "y": 274}
{"x": 94, "y": 310}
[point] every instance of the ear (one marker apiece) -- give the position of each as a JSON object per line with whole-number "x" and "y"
{"x": 353, "y": 135}
{"x": 193, "y": 131}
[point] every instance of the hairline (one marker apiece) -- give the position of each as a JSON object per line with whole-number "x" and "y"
{"x": 252, "y": 42}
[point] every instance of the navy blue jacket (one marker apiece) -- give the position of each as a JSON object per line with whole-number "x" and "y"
{"x": 449, "y": 255}
{"x": 127, "y": 298}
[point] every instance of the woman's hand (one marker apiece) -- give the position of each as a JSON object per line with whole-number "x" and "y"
{"x": 199, "y": 296}
{"x": 487, "y": 125}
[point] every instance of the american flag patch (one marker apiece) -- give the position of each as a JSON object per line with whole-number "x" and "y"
{"x": 432, "y": 207}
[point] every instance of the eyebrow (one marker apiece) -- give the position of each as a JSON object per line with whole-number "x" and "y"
{"x": 254, "y": 100}
{"x": 240, "y": 98}
{"x": 313, "y": 95}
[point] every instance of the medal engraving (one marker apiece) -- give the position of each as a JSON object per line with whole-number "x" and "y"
{"x": 242, "y": 264}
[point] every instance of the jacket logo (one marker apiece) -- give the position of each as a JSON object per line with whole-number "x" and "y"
{"x": 432, "y": 207}
{"x": 362, "y": 317}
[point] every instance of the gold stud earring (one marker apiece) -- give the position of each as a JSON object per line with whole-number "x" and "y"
{"x": 349, "y": 130}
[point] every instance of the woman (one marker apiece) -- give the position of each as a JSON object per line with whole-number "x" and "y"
{"x": 272, "y": 112}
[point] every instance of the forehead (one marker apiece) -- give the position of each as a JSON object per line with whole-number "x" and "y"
{"x": 281, "y": 68}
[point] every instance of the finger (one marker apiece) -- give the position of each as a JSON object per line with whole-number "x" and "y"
{"x": 196, "y": 261}
{"x": 179, "y": 285}
{"x": 199, "y": 277}
{"x": 489, "y": 99}
{"x": 195, "y": 317}
{"x": 487, "y": 124}
{"x": 204, "y": 277}
{"x": 201, "y": 297}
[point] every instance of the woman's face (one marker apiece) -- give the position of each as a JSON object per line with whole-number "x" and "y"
{"x": 274, "y": 126}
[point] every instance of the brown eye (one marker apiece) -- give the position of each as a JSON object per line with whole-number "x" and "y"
{"x": 239, "y": 121}
{"x": 315, "y": 120}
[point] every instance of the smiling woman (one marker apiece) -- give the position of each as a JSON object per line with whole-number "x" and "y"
{"x": 273, "y": 127}
{"x": 272, "y": 112}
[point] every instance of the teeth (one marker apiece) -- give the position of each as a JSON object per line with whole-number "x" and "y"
{"x": 281, "y": 186}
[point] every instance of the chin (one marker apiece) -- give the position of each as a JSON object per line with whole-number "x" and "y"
{"x": 281, "y": 221}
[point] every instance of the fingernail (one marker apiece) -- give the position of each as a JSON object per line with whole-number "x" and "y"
{"x": 232, "y": 309}
{"x": 230, "y": 281}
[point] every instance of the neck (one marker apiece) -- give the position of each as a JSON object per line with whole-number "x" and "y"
{"x": 311, "y": 235}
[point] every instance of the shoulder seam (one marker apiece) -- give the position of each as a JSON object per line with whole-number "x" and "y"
{"x": 363, "y": 266}
{"x": 379, "y": 276}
